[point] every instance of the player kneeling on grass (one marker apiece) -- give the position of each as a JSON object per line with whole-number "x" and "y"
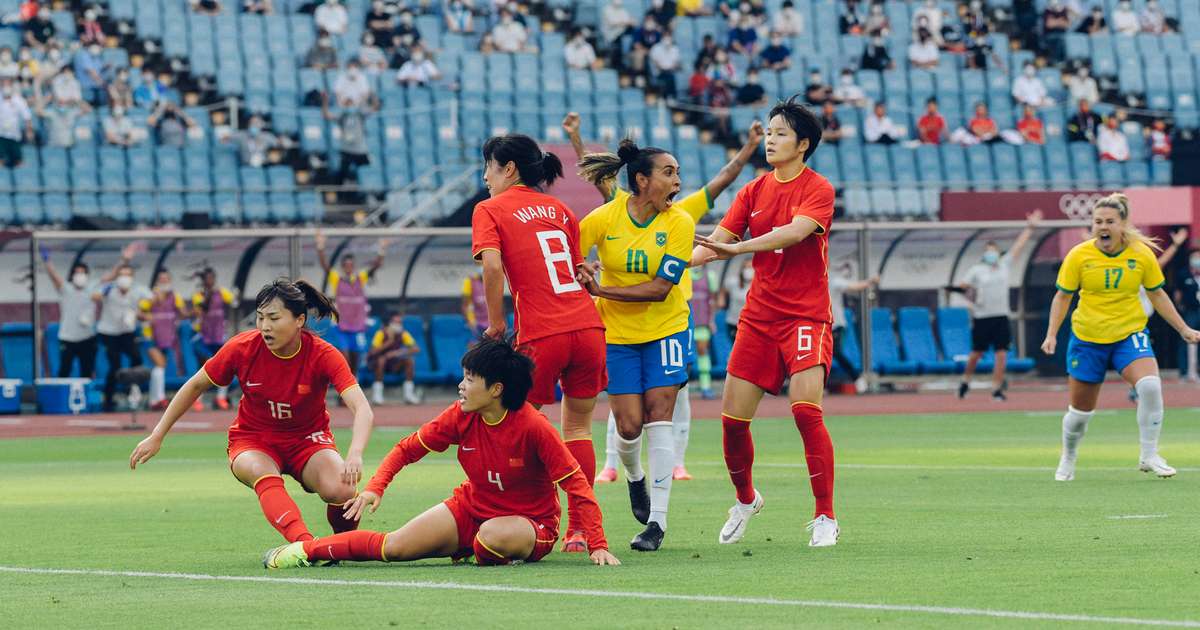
{"x": 506, "y": 511}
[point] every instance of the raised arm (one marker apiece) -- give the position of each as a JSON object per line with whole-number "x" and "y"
{"x": 1178, "y": 238}
{"x": 380, "y": 252}
{"x": 1031, "y": 221}
{"x": 53, "y": 273}
{"x": 183, "y": 400}
{"x": 321, "y": 241}
{"x": 571, "y": 125}
{"x": 729, "y": 173}
{"x": 127, "y": 254}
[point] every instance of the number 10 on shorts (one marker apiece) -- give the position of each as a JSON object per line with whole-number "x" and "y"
{"x": 672, "y": 352}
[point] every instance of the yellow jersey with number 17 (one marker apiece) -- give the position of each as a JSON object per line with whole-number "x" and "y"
{"x": 633, "y": 253}
{"x": 1109, "y": 309}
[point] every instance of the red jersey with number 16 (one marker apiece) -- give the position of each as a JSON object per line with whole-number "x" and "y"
{"x": 538, "y": 240}
{"x": 791, "y": 283}
{"x": 280, "y": 394}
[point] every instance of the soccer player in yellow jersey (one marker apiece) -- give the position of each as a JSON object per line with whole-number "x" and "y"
{"x": 643, "y": 242}
{"x": 1108, "y": 328}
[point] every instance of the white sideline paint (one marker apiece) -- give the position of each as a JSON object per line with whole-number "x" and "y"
{"x": 94, "y": 423}
{"x": 1037, "y": 469}
{"x": 711, "y": 599}
{"x": 187, "y": 424}
{"x": 11, "y": 422}
{"x": 1135, "y": 516}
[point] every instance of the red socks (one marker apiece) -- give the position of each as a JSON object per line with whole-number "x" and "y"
{"x": 356, "y": 545}
{"x": 339, "y": 523}
{"x": 586, "y": 457}
{"x": 739, "y": 456}
{"x": 279, "y": 508}
{"x": 484, "y": 556}
{"x": 818, "y": 452}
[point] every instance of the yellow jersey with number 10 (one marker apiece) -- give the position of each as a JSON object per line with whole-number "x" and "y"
{"x": 1109, "y": 309}
{"x": 696, "y": 205}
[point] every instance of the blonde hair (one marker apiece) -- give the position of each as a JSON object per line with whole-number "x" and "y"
{"x": 1130, "y": 233}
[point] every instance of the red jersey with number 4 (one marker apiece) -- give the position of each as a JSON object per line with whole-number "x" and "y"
{"x": 789, "y": 283}
{"x": 280, "y": 394}
{"x": 513, "y": 466}
{"x": 538, "y": 240}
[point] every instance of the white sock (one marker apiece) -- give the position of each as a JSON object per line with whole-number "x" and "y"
{"x": 630, "y": 454}
{"x": 157, "y": 384}
{"x": 681, "y": 422}
{"x": 1149, "y": 413}
{"x": 408, "y": 389}
{"x": 1191, "y": 360}
{"x": 660, "y": 440}
{"x": 610, "y": 443}
{"x": 377, "y": 390}
{"x": 222, "y": 392}
{"x": 1074, "y": 426}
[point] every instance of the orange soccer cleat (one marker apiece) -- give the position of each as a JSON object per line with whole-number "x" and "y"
{"x": 608, "y": 475}
{"x": 198, "y": 405}
{"x": 681, "y": 474}
{"x": 223, "y": 403}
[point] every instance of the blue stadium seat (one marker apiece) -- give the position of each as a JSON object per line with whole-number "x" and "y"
{"x": 1008, "y": 173}
{"x": 916, "y": 333}
{"x": 954, "y": 331}
{"x": 57, "y": 207}
{"x": 452, "y": 339}
{"x": 1033, "y": 167}
{"x": 885, "y": 351}
{"x": 857, "y": 203}
{"x": 16, "y": 350}
{"x": 424, "y": 372}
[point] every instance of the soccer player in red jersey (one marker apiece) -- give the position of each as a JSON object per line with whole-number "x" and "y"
{"x": 506, "y": 511}
{"x": 785, "y": 327}
{"x": 532, "y": 239}
{"x": 282, "y": 425}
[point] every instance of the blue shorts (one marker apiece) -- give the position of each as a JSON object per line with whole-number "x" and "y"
{"x": 691, "y": 341}
{"x": 636, "y": 368}
{"x": 1088, "y": 362}
{"x": 348, "y": 341}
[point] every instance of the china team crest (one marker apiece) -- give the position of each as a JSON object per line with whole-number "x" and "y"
{"x": 661, "y": 238}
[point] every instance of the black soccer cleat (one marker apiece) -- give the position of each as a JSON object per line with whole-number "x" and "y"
{"x": 649, "y": 540}
{"x": 962, "y": 390}
{"x": 998, "y": 396}
{"x": 639, "y": 500}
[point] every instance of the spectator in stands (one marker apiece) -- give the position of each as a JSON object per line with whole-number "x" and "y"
{"x": 65, "y": 87}
{"x": 352, "y": 88}
{"x": 751, "y": 92}
{"x": 931, "y": 127}
{"x": 852, "y": 19}
{"x": 28, "y": 68}
{"x": 1082, "y": 87}
{"x": 924, "y": 53}
{"x": 1056, "y": 20}
{"x": 698, "y": 82}
{"x": 392, "y": 352}
{"x": 58, "y": 120}
{"x": 708, "y": 49}
{"x": 879, "y": 128}
{"x": 205, "y": 7}
{"x": 1030, "y": 126}
{"x": 378, "y": 21}
{"x": 578, "y": 52}
{"x": 663, "y": 11}
{"x": 720, "y": 98}
{"x": 722, "y": 68}
{"x": 831, "y": 125}
{"x": 1083, "y": 124}
{"x": 849, "y": 92}
{"x": 817, "y": 91}
{"x": 975, "y": 19}
{"x": 9, "y": 68}
{"x": 1027, "y": 89}
{"x": 1152, "y": 18}
{"x": 691, "y": 8}
{"x": 776, "y": 55}
{"x": 728, "y": 9}
{"x": 928, "y": 16}
{"x": 323, "y": 54}
{"x": 509, "y": 35}
{"x": 458, "y": 17}
{"x": 665, "y": 60}
{"x": 121, "y": 130}
{"x": 352, "y": 137}
{"x": 743, "y": 38}
{"x": 1124, "y": 20}
{"x": 406, "y": 30}
{"x": 877, "y": 22}
{"x": 1159, "y": 140}
{"x": 332, "y": 18}
{"x": 118, "y": 323}
{"x": 260, "y": 7}
{"x": 151, "y": 90}
{"x": 788, "y": 21}
{"x": 983, "y": 128}
{"x": 119, "y": 91}
{"x": 980, "y": 53}
{"x": 254, "y": 143}
{"x": 372, "y": 57}
{"x": 16, "y": 123}
{"x": 1094, "y": 23}
{"x": 39, "y": 30}
{"x": 876, "y": 56}
{"x": 90, "y": 70}
{"x": 170, "y": 124}
{"x": 418, "y": 70}
{"x": 615, "y": 23}
{"x": 90, "y": 30}
{"x": 1111, "y": 143}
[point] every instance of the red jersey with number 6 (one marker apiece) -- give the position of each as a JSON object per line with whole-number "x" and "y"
{"x": 538, "y": 239}
{"x": 793, "y": 282}
{"x": 280, "y": 394}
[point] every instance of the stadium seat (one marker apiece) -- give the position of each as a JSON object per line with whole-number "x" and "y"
{"x": 424, "y": 371}
{"x": 452, "y": 339}
{"x": 16, "y": 350}
{"x": 916, "y": 334}
{"x": 850, "y": 347}
{"x": 885, "y": 351}
{"x": 954, "y": 331}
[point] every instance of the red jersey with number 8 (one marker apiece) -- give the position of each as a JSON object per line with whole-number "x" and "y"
{"x": 280, "y": 394}
{"x": 538, "y": 240}
{"x": 789, "y": 283}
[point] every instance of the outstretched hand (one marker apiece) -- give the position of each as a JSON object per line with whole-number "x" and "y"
{"x": 724, "y": 251}
{"x": 570, "y": 123}
{"x": 601, "y": 557}
{"x": 1179, "y": 237}
{"x": 355, "y": 508}
{"x": 755, "y": 134}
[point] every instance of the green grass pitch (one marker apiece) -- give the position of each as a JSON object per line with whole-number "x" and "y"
{"x": 950, "y": 512}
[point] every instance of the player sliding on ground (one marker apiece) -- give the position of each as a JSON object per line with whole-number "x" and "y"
{"x": 506, "y": 511}
{"x": 1108, "y": 329}
{"x": 282, "y": 425}
{"x": 785, "y": 327}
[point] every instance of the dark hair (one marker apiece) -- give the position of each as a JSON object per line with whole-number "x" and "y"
{"x": 802, "y": 121}
{"x": 297, "y": 297}
{"x": 537, "y": 169}
{"x": 932, "y": 99}
{"x": 602, "y": 167}
{"x": 79, "y": 265}
{"x": 497, "y": 361}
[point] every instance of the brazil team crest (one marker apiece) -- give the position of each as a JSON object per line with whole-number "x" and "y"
{"x": 1132, "y": 263}
{"x": 660, "y": 238}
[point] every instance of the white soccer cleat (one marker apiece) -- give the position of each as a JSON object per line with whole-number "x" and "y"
{"x": 739, "y": 515}
{"x": 824, "y": 531}
{"x": 860, "y": 385}
{"x": 1157, "y": 465}
{"x": 1066, "y": 470}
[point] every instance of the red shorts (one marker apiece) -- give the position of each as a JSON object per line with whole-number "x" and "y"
{"x": 765, "y": 353}
{"x": 546, "y": 532}
{"x": 291, "y": 451}
{"x": 577, "y": 358}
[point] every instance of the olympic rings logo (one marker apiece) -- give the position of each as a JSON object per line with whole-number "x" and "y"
{"x": 1078, "y": 206}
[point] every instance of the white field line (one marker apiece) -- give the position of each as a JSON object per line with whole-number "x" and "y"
{"x": 625, "y": 595}
{"x": 193, "y": 424}
{"x": 1122, "y": 517}
{"x": 982, "y": 468}
{"x": 93, "y": 423}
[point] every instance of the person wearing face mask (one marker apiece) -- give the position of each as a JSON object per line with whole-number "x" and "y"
{"x": 28, "y": 68}
{"x": 151, "y": 90}
{"x": 852, "y": 19}
{"x": 509, "y": 35}
{"x": 578, "y": 53}
{"x": 665, "y": 61}
{"x": 16, "y": 123}
{"x": 849, "y": 92}
{"x": 58, "y": 119}
{"x": 743, "y": 39}
{"x": 877, "y": 21}
{"x": 1027, "y": 89}
{"x": 117, "y": 326}
{"x": 89, "y": 69}
{"x": 876, "y": 56}
{"x": 253, "y": 143}
{"x": 458, "y": 17}
{"x": 162, "y": 311}
{"x": 841, "y": 282}
{"x": 39, "y": 30}
{"x": 924, "y": 53}
{"x": 752, "y": 92}
{"x": 332, "y": 18}
{"x": 170, "y": 124}
{"x": 929, "y": 16}
{"x": 323, "y": 54}
{"x": 372, "y": 57}
{"x": 90, "y": 31}
{"x": 120, "y": 130}
{"x": 9, "y": 69}
{"x": 1152, "y": 18}
{"x": 1094, "y": 23}
{"x": 1056, "y": 21}
{"x": 817, "y": 91}
{"x": 407, "y": 31}
{"x": 1082, "y": 87}
{"x": 418, "y": 70}
{"x": 1125, "y": 20}
{"x": 120, "y": 92}
{"x": 212, "y": 306}
{"x": 986, "y": 285}
{"x": 392, "y": 350}
{"x": 776, "y": 55}
{"x": 349, "y": 288}
{"x": 379, "y": 21}
{"x": 352, "y": 87}
{"x": 788, "y": 21}
{"x": 77, "y": 313}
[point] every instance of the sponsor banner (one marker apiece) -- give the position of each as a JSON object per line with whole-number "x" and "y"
{"x": 1151, "y": 206}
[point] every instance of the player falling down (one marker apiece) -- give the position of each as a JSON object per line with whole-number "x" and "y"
{"x": 697, "y": 205}
{"x": 532, "y": 239}
{"x": 785, "y": 327}
{"x": 506, "y": 511}
{"x": 282, "y": 424}
{"x": 1108, "y": 329}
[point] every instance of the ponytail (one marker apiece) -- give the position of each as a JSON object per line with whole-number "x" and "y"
{"x": 535, "y": 168}
{"x": 1129, "y": 232}
{"x": 598, "y": 168}
{"x": 297, "y": 297}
